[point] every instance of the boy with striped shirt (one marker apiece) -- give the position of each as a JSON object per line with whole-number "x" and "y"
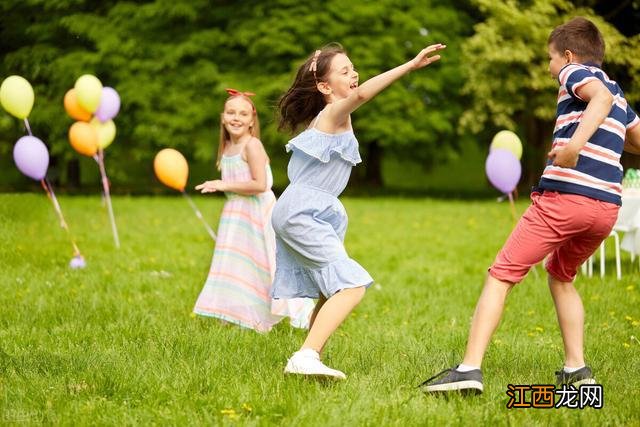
{"x": 572, "y": 211}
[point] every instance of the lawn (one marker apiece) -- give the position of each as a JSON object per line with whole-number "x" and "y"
{"x": 116, "y": 343}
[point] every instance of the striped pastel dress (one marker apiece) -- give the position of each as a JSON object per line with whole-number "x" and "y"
{"x": 238, "y": 287}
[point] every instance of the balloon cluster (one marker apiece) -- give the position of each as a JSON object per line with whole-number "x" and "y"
{"x": 91, "y": 135}
{"x": 94, "y": 107}
{"x": 29, "y": 153}
{"x": 503, "y": 163}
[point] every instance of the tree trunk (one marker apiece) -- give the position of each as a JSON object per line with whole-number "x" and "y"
{"x": 373, "y": 166}
{"x": 73, "y": 173}
{"x": 539, "y": 134}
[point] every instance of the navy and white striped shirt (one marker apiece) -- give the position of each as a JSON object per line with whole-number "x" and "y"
{"x": 598, "y": 173}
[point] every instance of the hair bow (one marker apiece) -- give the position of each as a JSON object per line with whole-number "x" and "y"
{"x": 235, "y": 92}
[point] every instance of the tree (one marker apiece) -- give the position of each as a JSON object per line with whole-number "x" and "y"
{"x": 507, "y": 72}
{"x": 170, "y": 60}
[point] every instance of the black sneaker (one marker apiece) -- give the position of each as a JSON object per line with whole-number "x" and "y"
{"x": 463, "y": 382}
{"x": 577, "y": 378}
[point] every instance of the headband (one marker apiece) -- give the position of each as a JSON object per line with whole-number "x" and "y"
{"x": 313, "y": 67}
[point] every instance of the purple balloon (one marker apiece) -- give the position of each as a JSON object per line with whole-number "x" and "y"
{"x": 503, "y": 169}
{"x": 109, "y": 104}
{"x": 31, "y": 157}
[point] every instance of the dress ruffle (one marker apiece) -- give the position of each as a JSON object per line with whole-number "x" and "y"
{"x": 321, "y": 145}
{"x": 304, "y": 282}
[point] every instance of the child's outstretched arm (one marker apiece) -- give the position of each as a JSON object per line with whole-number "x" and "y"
{"x": 599, "y": 105}
{"x": 632, "y": 140}
{"x": 257, "y": 159}
{"x": 342, "y": 108}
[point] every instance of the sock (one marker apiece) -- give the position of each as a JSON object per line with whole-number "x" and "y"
{"x": 466, "y": 368}
{"x": 572, "y": 370}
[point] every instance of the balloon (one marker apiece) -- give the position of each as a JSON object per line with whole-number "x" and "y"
{"x": 31, "y": 157}
{"x": 83, "y": 138}
{"x": 106, "y": 132}
{"x": 503, "y": 170}
{"x": 16, "y": 96}
{"x": 88, "y": 91}
{"x": 509, "y": 141}
{"x": 77, "y": 262}
{"x": 171, "y": 168}
{"x": 109, "y": 104}
{"x": 73, "y": 108}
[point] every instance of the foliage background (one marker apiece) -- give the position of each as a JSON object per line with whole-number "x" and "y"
{"x": 170, "y": 60}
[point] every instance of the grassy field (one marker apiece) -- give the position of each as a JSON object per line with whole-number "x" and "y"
{"x": 116, "y": 343}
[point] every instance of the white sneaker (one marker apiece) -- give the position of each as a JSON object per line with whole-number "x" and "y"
{"x": 307, "y": 362}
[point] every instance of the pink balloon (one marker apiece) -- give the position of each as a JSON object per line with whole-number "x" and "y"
{"x": 109, "y": 104}
{"x": 503, "y": 169}
{"x": 31, "y": 157}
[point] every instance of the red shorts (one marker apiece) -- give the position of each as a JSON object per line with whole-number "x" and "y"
{"x": 567, "y": 226}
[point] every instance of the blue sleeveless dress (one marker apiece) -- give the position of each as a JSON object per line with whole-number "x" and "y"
{"x": 310, "y": 222}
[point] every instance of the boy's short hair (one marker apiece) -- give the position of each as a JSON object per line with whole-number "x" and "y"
{"x": 581, "y": 37}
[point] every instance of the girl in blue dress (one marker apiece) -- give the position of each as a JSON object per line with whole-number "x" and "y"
{"x": 309, "y": 220}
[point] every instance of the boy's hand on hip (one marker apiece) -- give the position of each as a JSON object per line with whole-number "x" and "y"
{"x": 423, "y": 59}
{"x": 565, "y": 157}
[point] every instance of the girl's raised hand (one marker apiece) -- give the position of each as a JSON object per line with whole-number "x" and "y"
{"x": 211, "y": 186}
{"x": 423, "y": 59}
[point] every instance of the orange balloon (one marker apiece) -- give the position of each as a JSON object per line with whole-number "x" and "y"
{"x": 84, "y": 138}
{"x": 73, "y": 108}
{"x": 171, "y": 168}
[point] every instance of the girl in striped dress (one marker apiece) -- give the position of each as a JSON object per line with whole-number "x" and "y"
{"x": 239, "y": 283}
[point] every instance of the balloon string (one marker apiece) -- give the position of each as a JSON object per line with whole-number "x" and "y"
{"x": 26, "y": 123}
{"x": 199, "y": 215}
{"x": 49, "y": 190}
{"x": 513, "y": 208}
{"x": 105, "y": 185}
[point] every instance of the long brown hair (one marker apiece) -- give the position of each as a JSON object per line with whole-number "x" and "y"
{"x": 224, "y": 135}
{"x": 303, "y": 101}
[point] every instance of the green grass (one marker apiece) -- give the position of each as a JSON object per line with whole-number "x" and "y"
{"x": 116, "y": 344}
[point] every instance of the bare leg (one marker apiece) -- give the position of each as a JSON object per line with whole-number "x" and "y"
{"x": 330, "y": 315}
{"x": 321, "y": 300}
{"x": 486, "y": 319}
{"x": 571, "y": 319}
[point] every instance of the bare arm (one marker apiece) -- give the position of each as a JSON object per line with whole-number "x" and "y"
{"x": 632, "y": 140}
{"x": 340, "y": 110}
{"x": 599, "y": 105}
{"x": 257, "y": 159}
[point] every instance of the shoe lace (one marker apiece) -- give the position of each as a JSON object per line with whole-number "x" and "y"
{"x": 438, "y": 375}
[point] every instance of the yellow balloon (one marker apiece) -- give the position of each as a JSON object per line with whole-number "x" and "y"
{"x": 88, "y": 92}
{"x": 509, "y": 141}
{"x": 16, "y": 96}
{"x": 171, "y": 168}
{"x": 83, "y": 138}
{"x": 106, "y": 132}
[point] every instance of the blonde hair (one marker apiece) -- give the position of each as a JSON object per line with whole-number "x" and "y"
{"x": 225, "y": 138}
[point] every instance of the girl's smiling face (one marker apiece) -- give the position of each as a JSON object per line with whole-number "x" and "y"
{"x": 237, "y": 117}
{"x": 342, "y": 78}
